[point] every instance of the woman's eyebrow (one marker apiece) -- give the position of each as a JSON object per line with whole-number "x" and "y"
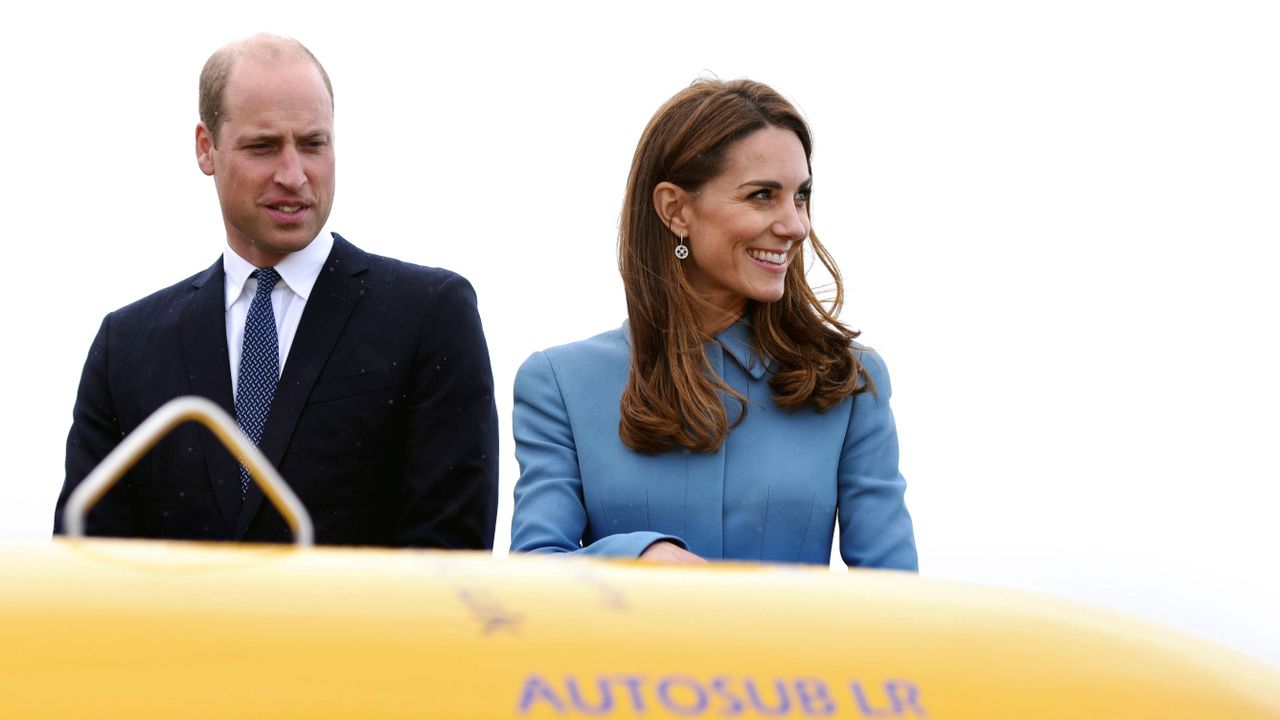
{"x": 773, "y": 184}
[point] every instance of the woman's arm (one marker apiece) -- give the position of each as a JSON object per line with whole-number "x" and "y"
{"x": 550, "y": 515}
{"x": 875, "y": 527}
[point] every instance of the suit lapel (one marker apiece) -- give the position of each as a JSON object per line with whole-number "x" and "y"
{"x": 336, "y": 293}
{"x": 204, "y": 350}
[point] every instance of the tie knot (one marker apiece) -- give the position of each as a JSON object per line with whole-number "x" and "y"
{"x": 267, "y": 279}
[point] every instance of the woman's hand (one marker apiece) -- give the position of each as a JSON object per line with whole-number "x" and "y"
{"x": 670, "y": 554}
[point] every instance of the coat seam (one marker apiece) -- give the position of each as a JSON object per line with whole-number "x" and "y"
{"x": 764, "y": 531}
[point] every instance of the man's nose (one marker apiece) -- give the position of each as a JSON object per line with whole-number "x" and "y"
{"x": 289, "y": 171}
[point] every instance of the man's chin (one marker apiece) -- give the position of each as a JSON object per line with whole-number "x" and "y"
{"x": 264, "y": 251}
{"x": 285, "y": 243}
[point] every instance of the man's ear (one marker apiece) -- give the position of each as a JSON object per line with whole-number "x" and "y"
{"x": 204, "y": 149}
{"x": 672, "y": 204}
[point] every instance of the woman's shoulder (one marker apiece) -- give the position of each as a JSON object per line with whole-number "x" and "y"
{"x": 866, "y": 353}
{"x": 609, "y": 348}
{"x": 609, "y": 342}
{"x": 874, "y": 364}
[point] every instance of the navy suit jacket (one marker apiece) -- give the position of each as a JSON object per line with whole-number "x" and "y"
{"x": 383, "y": 422}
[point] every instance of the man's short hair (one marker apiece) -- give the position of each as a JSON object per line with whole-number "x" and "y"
{"x": 217, "y": 71}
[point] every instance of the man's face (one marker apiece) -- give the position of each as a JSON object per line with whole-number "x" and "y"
{"x": 273, "y": 159}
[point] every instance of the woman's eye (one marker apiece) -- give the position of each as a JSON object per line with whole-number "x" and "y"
{"x": 802, "y": 197}
{"x": 760, "y": 195}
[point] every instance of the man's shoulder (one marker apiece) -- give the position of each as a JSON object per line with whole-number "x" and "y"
{"x": 395, "y": 274}
{"x": 166, "y": 300}
{"x": 423, "y": 276}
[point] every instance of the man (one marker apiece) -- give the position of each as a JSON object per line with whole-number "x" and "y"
{"x": 365, "y": 380}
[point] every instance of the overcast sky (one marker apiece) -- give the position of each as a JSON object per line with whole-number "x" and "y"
{"x": 1056, "y": 222}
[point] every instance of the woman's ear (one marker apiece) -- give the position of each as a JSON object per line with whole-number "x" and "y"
{"x": 672, "y": 204}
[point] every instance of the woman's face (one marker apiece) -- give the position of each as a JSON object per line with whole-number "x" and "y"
{"x": 746, "y": 225}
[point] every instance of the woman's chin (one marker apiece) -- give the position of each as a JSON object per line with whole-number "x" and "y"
{"x": 767, "y": 295}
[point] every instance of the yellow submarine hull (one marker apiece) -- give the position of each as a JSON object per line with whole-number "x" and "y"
{"x": 133, "y": 629}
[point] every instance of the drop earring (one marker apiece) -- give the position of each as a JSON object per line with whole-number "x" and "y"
{"x": 682, "y": 251}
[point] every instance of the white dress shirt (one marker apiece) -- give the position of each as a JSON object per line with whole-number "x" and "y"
{"x": 298, "y": 274}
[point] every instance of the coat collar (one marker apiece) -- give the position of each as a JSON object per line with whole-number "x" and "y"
{"x": 737, "y": 342}
{"x": 204, "y": 351}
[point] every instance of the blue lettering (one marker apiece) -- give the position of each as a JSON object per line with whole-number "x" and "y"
{"x": 721, "y": 687}
{"x": 812, "y": 695}
{"x": 864, "y": 705}
{"x": 606, "y": 698}
{"x": 632, "y": 683}
{"x": 664, "y": 694}
{"x": 535, "y": 689}
{"x": 904, "y": 694}
{"x": 784, "y": 700}
{"x": 687, "y": 696}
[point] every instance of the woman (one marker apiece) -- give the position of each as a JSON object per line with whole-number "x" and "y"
{"x": 732, "y": 416}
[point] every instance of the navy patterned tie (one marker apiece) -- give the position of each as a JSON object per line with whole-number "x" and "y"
{"x": 259, "y": 365}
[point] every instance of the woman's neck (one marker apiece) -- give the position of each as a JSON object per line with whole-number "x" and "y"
{"x": 717, "y": 317}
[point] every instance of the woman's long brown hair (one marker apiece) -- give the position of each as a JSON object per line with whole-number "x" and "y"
{"x": 674, "y": 397}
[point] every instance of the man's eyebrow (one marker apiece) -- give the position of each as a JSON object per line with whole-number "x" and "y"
{"x": 272, "y": 137}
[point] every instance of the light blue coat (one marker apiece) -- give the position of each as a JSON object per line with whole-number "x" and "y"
{"x": 773, "y": 491}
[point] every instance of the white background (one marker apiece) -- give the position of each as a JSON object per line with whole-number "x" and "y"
{"x": 1056, "y": 222}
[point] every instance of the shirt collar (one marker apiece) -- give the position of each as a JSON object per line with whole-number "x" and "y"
{"x": 298, "y": 270}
